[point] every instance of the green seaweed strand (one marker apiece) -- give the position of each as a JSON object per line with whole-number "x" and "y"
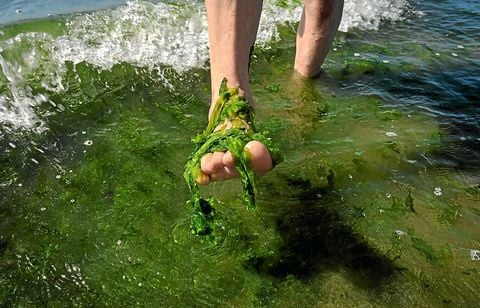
{"x": 230, "y": 128}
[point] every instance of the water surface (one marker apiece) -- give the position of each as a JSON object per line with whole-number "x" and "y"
{"x": 377, "y": 202}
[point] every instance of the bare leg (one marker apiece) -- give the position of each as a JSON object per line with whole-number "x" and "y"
{"x": 232, "y": 29}
{"x": 315, "y": 34}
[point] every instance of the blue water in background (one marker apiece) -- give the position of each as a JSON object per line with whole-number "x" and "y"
{"x": 17, "y": 10}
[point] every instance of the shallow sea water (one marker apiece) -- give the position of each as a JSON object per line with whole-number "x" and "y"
{"x": 376, "y": 204}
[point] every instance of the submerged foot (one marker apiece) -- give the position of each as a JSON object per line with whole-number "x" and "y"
{"x": 220, "y": 166}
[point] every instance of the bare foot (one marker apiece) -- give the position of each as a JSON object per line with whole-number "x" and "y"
{"x": 220, "y": 166}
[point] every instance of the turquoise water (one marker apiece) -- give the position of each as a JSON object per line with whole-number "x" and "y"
{"x": 376, "y": 204}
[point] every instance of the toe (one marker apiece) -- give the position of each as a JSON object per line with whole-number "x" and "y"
{"x": 224, "y": 174}
{"x": 217, "y": 161}
{"x": 259, "y": 157}
{"x": 228, "y": 160}
{"x": 206, "y": 164}
{"x": 202, "y": 178}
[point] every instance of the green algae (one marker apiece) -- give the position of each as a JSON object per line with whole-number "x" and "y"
{"x": 230, "y": 128}
{"x": 332, "y": 226}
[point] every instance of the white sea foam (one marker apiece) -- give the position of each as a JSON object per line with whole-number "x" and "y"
{"x": 143, "y": 34}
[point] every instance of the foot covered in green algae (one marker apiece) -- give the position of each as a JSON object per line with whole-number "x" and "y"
{"x": 230, "y": 136}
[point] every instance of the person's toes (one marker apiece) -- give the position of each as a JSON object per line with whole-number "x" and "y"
{"x": 224, "y": 174}
{"x": 228, "y": 160}
{"x": 259, "y": 157}
{"x": 217, "y": 161}
{"x": 206, "y": 165}
{"x": 202, "y": 178}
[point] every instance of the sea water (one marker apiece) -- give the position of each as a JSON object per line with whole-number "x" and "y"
{"x": 377, "y": 202}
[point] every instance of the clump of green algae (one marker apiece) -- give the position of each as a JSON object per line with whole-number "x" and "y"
{"x": 230, "y": 128}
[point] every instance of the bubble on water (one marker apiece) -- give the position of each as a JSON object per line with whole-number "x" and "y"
{"x": 335, "y": 49}
{"x": 43, "y": 209}
{"x": 388, "y": 196}
{"x": 58, "y": 176}
{"x": 438, "y": 191}
{"x": 19, "y": 11}
{"x": 475, "y": 255}
{"x": 88, "y": 142}
{"x": 391, "y": 134}
{"x": 400, "y": 232}
{"x": 72, "y": 200}
{"x": 386, "y": 61}
{"x": 35, "y": 161}
{"x": 119, "y": 242}
{"x": 454, "y": 54}
{"x": 463, "y": 138}
{"x": 460, "y": 46}
{"x": 12, "y": 145}
{"x": 356, "y": 54}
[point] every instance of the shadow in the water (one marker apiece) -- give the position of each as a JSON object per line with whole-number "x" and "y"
{"x": 316, "y": 239}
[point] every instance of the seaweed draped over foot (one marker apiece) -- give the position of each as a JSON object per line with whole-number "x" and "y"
{"x": 230, "y": 128}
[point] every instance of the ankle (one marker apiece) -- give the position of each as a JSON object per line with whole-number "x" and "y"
{"x": 243, "y": 92}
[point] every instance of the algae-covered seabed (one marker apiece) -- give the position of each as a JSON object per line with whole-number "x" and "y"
{"x": 356, "y": 215}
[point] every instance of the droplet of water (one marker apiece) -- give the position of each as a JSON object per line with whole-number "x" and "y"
{"x": 400, "y": 232}
{"x": 391, "y": 134}
{"x": 356, "y": 54}
{"x": 88, "y": 142}
{"x": 460, "y": 46}
{"x": 12, "y": 145}
{"x": 454, "y": 54}
{"x": 386, "y": 61}
{"x": 438, "y": 191}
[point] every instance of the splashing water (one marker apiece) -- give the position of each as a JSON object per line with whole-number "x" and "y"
{"x": 144, "y": 34}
